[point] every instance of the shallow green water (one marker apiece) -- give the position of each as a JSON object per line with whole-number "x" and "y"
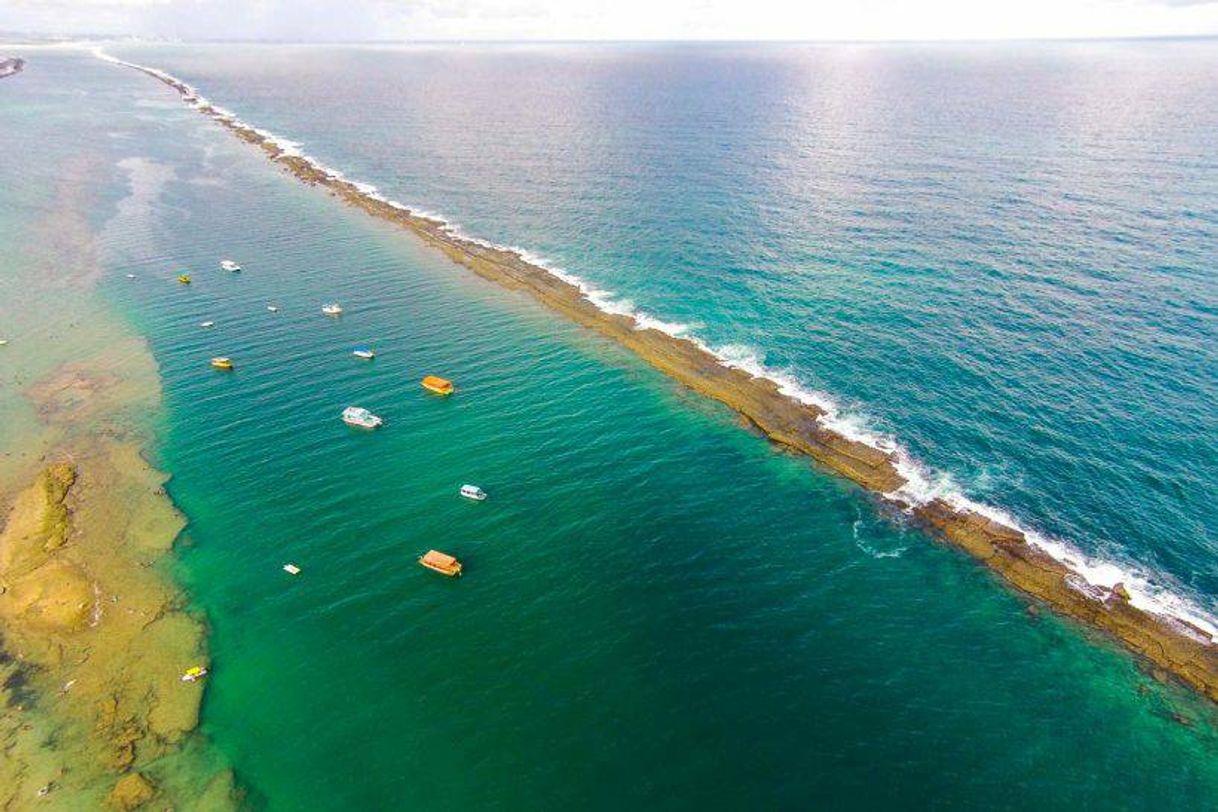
{"x": 659, "y": 610}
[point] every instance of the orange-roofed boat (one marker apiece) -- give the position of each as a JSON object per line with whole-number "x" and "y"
{"x": 441, "y": 563}
{"x": 441, "y": 386}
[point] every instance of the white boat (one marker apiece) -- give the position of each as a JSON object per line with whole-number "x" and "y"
{"x": 332, "y": 309}
{"x": 229, "y": 265}
{"x": 367, "y": 353}
{"x": 291, "y": 569}
{"x": 473, "y": 492}
{"x": 131, "y": 276}
{"x": 206, "y": 324}
{"x": 361, "y": 418}
{"x": 273, "y": 308}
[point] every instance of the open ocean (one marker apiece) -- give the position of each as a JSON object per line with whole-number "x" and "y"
{"x": 1001, "y": 258}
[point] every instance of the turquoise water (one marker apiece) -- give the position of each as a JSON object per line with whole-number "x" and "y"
{"x": 659, "y": 610}
{"x": 1000, "y": 255}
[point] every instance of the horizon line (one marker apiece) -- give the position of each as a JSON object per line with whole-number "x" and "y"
{"x": 26, "y": 38}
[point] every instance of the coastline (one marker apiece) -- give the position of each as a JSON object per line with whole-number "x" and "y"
{"x": 94, "y": 632}
{"x": 1175, "y": 644}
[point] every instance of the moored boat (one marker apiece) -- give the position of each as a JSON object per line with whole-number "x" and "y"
{"x": 441, "y": 562}
{"x": 361, "y": 418}
{"x": 229, "y": 265}
{"x": 220, "y": 362}
{"x": 206, "y": 324}
{"x": 332, "y": 309}
{"x": 473, "y": 492}
{"x": 272, "y": 308}
{"x": 367, "y": 353}
{"x": 441, "y": 386}
{"x": 184, "y": 278}
{"x": 194, "y": 673}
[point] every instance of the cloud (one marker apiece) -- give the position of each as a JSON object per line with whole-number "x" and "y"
{"x": 335, "y": 20}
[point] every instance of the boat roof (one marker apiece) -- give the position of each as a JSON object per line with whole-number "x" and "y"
{"x": 436, "y": 380}
{"x": 439, "y": 559}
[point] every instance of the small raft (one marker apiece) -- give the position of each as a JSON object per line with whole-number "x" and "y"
{"x": 184, "y": 278}
{"x": 441, "y": 562}
{"x": 438, "y": 385}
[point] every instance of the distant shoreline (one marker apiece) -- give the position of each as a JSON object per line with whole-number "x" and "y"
{"x": 1172, "y": 644}
{"x": 11, "y": 67}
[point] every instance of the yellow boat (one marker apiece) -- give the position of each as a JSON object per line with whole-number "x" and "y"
{"x": 194, "y": 673}
{"x": 434, "y": 383}
{"x": 222, "y": 363}
{"x": 184, "y": 278}
{"x": 441, "y": 563}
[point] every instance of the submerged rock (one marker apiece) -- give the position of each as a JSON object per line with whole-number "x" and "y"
{"x": 131, "y": 792}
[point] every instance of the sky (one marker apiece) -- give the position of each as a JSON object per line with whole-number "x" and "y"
{"x": 345, "y": 20}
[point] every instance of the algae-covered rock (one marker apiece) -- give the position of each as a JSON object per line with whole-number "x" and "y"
{"x": 131, "y": 792}
{"x": 38, "y": 523}
{"x": 57, "y": 480}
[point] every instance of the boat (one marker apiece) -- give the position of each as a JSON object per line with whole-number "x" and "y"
{"x": 367, "y": 353}
{"x": 194, "y": 673}
{"x": 361, "y": 418}
{"x": 3, "y": 342}
{"x": 473, "y": 492}
{"x": 229, "y": 265}
{"x": 184, "y": 278}
{"x": 333, "y": 309}
{"x": 441, "y": 562}
{"x": 272, "y": 308}
{"x": 220, "y": 362}
{"x": 131, "y": 276}
{"x": 206, "y": 324}
{"x": 441, "y": 386}
{"x": 291, "y": 569}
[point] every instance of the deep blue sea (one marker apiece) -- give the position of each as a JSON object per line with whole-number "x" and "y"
{"x": 1003, "y": 258}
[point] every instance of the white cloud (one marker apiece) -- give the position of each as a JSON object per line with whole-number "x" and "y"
{"x": 616, "y": 19}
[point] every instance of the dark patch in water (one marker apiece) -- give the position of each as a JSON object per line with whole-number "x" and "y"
{"x": 17, "y": 688}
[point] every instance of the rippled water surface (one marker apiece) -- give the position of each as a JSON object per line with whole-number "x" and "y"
{"x": 1003, "y": 257}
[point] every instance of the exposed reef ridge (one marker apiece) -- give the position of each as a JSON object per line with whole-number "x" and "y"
{"x": 1173, "y": 644}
